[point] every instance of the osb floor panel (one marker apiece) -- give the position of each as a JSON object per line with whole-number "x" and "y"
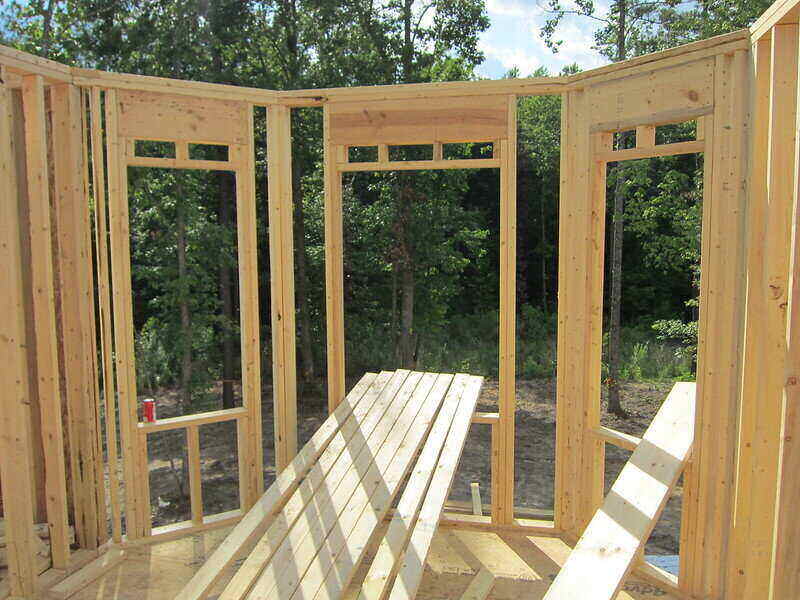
{"x": 523, "y": 566}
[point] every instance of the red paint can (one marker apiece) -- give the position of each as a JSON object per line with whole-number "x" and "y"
{"x": 149, "y": 410}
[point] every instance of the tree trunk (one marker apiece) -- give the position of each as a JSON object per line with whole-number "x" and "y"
{"x": 186, "y": 327}
{"x": 226, "y": 199}
{"x": 393, "y": 324}
{"x": 542, "y": 214}
{"x": 615, "y": 308}
{"x": 405, "y": 200}
{"x": 287, "y": 17}
{"x": 307, "y": 367}
{"x": 614, "y": 395}
{"x": 405, "y": 264}
{"x": 407, "y": 335}
{"x": 545, "y": 257}
{"x": 186, "y": 323}
{"x": 47, "y": 28}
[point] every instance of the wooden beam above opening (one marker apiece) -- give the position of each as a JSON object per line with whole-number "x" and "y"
{"x": 419, "y": 121}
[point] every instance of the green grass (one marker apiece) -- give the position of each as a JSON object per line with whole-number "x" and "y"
{"x": 471, "y": 345}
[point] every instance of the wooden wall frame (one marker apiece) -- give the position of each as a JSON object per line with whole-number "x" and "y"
{"x": 402, "y": 123}
{"x": 45, "y": 357}
{"x": 713, "y": 87}
{"x": 238, "y": 136}
{"x": 281, "y": 254}
{"x": 738, "y": 536}
{"x": 762, "y": 530}
{"x": 76, "y": 295}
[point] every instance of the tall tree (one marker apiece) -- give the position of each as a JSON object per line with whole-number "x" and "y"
{"x": 291, "y": 46}
{"x": 620, "y": 30}
{"x": 412, "y": 41}
{"x": 539, "y": 124}
{"x": 163, "y": 38}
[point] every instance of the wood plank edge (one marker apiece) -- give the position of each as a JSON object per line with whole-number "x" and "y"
{"x": 80, "y": 579}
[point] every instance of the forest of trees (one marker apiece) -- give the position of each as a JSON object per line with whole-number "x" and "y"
{"x": 421, "y": 248}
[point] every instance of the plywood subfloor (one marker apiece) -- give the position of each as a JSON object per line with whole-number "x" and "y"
{"x": 523, "y": 566}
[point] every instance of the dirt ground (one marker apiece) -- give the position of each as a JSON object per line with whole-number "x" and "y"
{"x": 535, "y": 453}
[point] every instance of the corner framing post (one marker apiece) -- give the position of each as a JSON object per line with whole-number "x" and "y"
{"x": 14, "y": 418}
{"x": 104, "y": 313}
{"x": 137, "y": 509}
{"x": 594, "y": 450}
{"x": 281, "y": 258}
{"x": 334, "y": 266}
{"x": 44, "y": 319}
{"x": 563, "y": 514}
{"x": 503, "y": 505}
{"x": 709, "y": 483}
{"x": 786, "y": 569}
{"x": 91, "y": 331}
{"x": 579, "y": 454}
{"x": 39, "y": 465}
{"x": 763, "y": 368}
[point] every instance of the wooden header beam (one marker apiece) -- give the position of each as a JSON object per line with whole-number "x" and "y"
{"x": 782, "y": 12}
{"x": 162, "y": 116}
{"x": 23, "y": 63}
{"x": 126, "y": 81}
{"x": 530, "y": 86}
{"x": 419, "y": 121}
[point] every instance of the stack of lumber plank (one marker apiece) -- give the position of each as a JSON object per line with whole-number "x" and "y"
{"x": 310, "y": 530}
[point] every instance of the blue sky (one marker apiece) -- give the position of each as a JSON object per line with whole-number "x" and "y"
{"x": 513, "y": 39}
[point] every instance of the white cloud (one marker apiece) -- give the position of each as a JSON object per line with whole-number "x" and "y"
{"x": 577, "y": 44}
{"x": 510, "y": 8}
{"x": 512, "y": 57}
{"x": 514, "y": 38}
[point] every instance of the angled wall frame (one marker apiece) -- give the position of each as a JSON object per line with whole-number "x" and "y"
{"x": 738, "y": 535}
{"x": 144, "y": 115}
{"x": 474, "y": 118}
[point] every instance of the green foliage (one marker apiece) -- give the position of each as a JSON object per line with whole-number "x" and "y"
{"x": 634, "y": 27}
{"x": 152, "y": 359}
{"x": 646, "y": 357}
{"x": 536, "y": 343}
{"x": 158, "y": 199}
{"x": 684, "y": 334}
{"x": 444, "y": 225}
{"x": 683, "y": 23}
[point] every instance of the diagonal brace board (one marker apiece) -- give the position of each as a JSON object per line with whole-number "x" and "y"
{"x": 617, "y": 532}
{"x": 256, "y": 521}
